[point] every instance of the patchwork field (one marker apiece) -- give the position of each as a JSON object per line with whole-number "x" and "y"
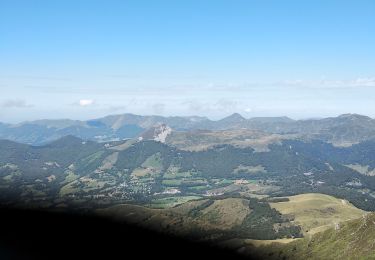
{"x": 169, "y": 202}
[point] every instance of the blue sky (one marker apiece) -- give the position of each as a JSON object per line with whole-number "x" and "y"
{"x": 85, "y": 59}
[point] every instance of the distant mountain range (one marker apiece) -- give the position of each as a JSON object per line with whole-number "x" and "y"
{"x": 237, "y": 182}
{"x": 343, "y": 130}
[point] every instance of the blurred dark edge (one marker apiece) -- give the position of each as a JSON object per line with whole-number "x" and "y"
{"x": 30, "y": 234}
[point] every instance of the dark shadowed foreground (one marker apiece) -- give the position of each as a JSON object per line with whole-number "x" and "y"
{"x": 29, "y": 234}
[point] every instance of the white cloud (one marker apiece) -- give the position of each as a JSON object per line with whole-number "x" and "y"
{"x": 222, "y": 105}
{"x": 86, "y": 102}
{"x": 326, "y": 83}
{"x": 365, "y": 82}
{"x": 15, "y": 103}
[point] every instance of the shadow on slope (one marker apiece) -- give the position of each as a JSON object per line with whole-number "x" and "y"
{"x": 27, "y": 234}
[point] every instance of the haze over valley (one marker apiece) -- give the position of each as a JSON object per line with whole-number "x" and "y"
{"x": 200, "y": 129}
{"x": 235, "y": 182}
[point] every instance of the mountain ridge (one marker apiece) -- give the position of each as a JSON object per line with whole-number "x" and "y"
{"x": 343, "y": 130}
{"x": 236, "y": 114}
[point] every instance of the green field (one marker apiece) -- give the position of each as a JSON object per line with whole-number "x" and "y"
{"x": 171, "y": 201}
{"x": 154, "y": 161}
{"x": 198, "y": 188}
{"x": 70, "y": 176}
{"x": 176, "y": 175}
{"x": 172, "y": 182}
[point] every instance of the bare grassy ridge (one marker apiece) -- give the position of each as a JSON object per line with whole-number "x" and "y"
{"x": 337, "y": 230}
{"x": 203, "y": 140}
{"x": 352, "y": 240}
{"x": 317, "y": 212}
{"x": 365, "y": 170}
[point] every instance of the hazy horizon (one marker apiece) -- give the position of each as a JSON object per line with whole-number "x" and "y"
{"x": 192, "y": 115}
{"x": 88, "y": 59}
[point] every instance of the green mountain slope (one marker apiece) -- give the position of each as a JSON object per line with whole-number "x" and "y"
{"x": 210, "y": 219}
{"x": 348, "y": 240}
{"x": 315, "y": 212}
{"x": 143, "y": 170}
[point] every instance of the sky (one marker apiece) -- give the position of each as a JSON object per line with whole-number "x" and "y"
{"x": 86, "y": 59}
